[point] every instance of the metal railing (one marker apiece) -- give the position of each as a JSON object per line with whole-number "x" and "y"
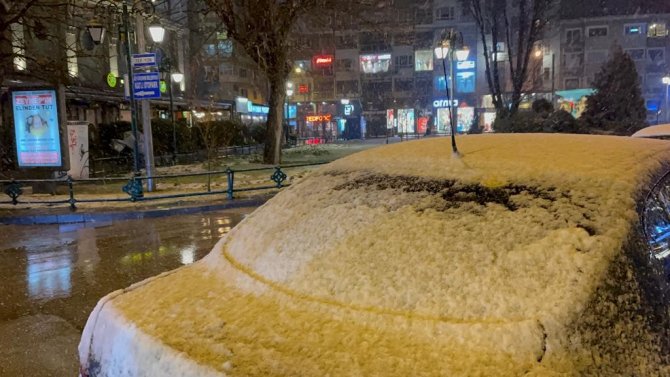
{"x": 135, "y": 190}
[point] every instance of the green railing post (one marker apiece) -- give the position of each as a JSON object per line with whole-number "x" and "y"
{"x": 230, "y": 174}
{"x": 14, "y": 190}
{"x": 70, "y": 187}
{"x": 278, "y": 176}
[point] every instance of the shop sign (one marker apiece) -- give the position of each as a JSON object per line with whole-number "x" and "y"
{"x": 303, "y": 89}
{"x": 111, "y": 80}
{"x": 36, "y": 128}
{"x": 438, "y": 103}
{"x": 322, "y": 61}
{"x": 319, "y": 118}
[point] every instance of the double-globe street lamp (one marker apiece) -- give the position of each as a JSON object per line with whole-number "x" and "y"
{"x": 157, "y": 32}
{"x": 96, "y": 30}
{"x": 450, "y": 44}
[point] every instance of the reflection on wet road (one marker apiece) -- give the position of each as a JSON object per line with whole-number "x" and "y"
{"x": 56, "y": 274}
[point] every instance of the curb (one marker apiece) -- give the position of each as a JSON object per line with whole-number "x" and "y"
{"x": 93, "y": 217}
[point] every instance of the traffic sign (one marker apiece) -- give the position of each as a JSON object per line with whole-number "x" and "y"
{"x": 144, "y": 60}
{"x": 146, "y": 85}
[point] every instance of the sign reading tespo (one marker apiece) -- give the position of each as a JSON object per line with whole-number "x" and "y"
{"x": 319, "y": 118}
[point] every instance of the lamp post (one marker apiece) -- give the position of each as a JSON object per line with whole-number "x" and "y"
{"x": 449, "y": 45}
{"x": 157, "y": 32}
{"x": 97, "y": 32}
{"x": 666, "y": 81}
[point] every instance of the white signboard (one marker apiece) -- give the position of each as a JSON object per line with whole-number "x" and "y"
{"x": 77, "y": 143}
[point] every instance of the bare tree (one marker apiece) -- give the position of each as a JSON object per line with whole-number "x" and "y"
{"x": 518, "y": 26}
{"x": 263, "y": 28}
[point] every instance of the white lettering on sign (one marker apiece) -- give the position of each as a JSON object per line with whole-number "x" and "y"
{"x": 444, "y": 103}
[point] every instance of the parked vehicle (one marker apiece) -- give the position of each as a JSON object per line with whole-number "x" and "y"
{"x": 529, "y": 255}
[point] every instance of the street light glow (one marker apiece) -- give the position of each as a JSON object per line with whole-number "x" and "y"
{"x": 462, "y": 54}
{"x": 157, "y": 32}
{"x": 96, "y": 31}
{"x": 666, "y": 80}
{"x": 177, "y": 77}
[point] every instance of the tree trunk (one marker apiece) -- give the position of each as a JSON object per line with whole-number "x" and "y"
{"x": 273, "y": 135}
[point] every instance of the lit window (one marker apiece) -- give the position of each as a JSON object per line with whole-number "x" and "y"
{"x": 445, "y": 14}
{"x": 636, "y": 53}
{"x": 597, "y": 31}
{"x": 71, "y": 53}
{"x": 657, "y": 30}
{"x": 18, "y": 47}
{"x": 636, "y": 29}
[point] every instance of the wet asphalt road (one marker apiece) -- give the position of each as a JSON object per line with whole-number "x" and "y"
{"x": 53, "y": 275}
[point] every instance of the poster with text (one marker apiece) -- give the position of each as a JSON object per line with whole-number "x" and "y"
{"x": 406, "y": 121}
{"x": 390, "y": 119}
{"x": 77, "y": 143}
{"x": 36, "y": 128}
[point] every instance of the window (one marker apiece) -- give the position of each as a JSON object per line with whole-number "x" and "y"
{"x": 375, "y": 63}
{"x": 404, "y": 61}
{"x": 574, "y": 60}
{"x": 636, "y": 53}
{"x": 243, "y": 72}
{"x": 573, "y": 37}
{"x": 18, "y": 47}
{"x": 423, "y": 60}
{"x": 571, "y": 83}
{"x": 113, "y": 57}
{"x": 633, "y": 29}
{"x": 657, "y": 30}
{"x": 71, "y": 54}
{"x": 546, "y": 74}
{"x": 209, "y": 49}
{"x": 445, "y": 13}
{"x": 226, "y": 69}
{"x": 596, "y": 57}
{"x": 323, "y": 86}
{"x": 347, "y": 87}
{"x": 597, "y": 31}
{"x": 344, "y": 65}
{"x": 347, "y": 41}
{"x": 656, "y": 55}
{"x": 404, "y": 85}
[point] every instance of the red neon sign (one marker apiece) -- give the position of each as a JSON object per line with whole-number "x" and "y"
{"x": 323, "y": 60}
{"x": 303, "y": 89}
{"x": 319, "y": 118}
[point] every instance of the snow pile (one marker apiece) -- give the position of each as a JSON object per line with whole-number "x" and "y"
{"x": 403, "y": 261}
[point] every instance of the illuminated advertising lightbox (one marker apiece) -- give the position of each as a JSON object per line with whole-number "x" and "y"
{"x": 465, "y": 116}
{"x": 390, "y": 119}
{"x": 303, "y": 89}
{"x": 423, "y": 60}
{"x": 375, "y": 63}
{"x": 37, "y": 128}
{"x": 442, "y": 121}
{"x": 489, "y": 118}
{"x": 319, "y": 118}
{"x": 322, "y": 61}
{"x": 406, "y": 120}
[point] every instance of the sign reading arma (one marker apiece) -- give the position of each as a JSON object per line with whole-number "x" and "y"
{"x": 438, "y": 103}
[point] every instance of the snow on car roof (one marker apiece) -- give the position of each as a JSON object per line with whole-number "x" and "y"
{"x": 403, "y": 258}
{"x": 659, "y": 130}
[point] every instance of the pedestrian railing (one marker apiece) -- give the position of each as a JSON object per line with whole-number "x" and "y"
{"x": 134, "y": 186}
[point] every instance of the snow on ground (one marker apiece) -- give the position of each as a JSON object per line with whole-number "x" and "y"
{"x": 405, "y": 261}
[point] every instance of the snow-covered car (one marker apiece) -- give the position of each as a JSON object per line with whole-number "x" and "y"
{"x": 530, "y": 255}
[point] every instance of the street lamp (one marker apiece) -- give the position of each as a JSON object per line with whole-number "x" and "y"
{"x": 449, "y": 45}
{"x": 666, "y": 81}
{"x": 97, "y": 32}
{"x": 157, "y": 32}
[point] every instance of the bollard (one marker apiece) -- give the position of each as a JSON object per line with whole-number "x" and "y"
{"x": 230, "y": 174}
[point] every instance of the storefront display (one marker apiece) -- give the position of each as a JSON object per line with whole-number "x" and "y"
{"x": 442, "y": 120}
{"x": 465, "y": 115}
{"x": 489, "y": 118}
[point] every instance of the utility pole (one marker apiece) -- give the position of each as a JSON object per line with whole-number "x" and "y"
{"x": 146, "y": 115}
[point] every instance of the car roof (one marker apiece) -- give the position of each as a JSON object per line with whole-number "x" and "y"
{"x": 658, "y": 131}
{"x": 520, "y": 230}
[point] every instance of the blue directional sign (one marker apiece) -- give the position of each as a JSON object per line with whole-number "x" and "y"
{"x": 146, "y": 85}
{"x": 144, "y": 60}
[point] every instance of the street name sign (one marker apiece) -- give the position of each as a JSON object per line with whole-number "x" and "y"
{"x": 146, "y": 85}
{"x": 144, "y": 60}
